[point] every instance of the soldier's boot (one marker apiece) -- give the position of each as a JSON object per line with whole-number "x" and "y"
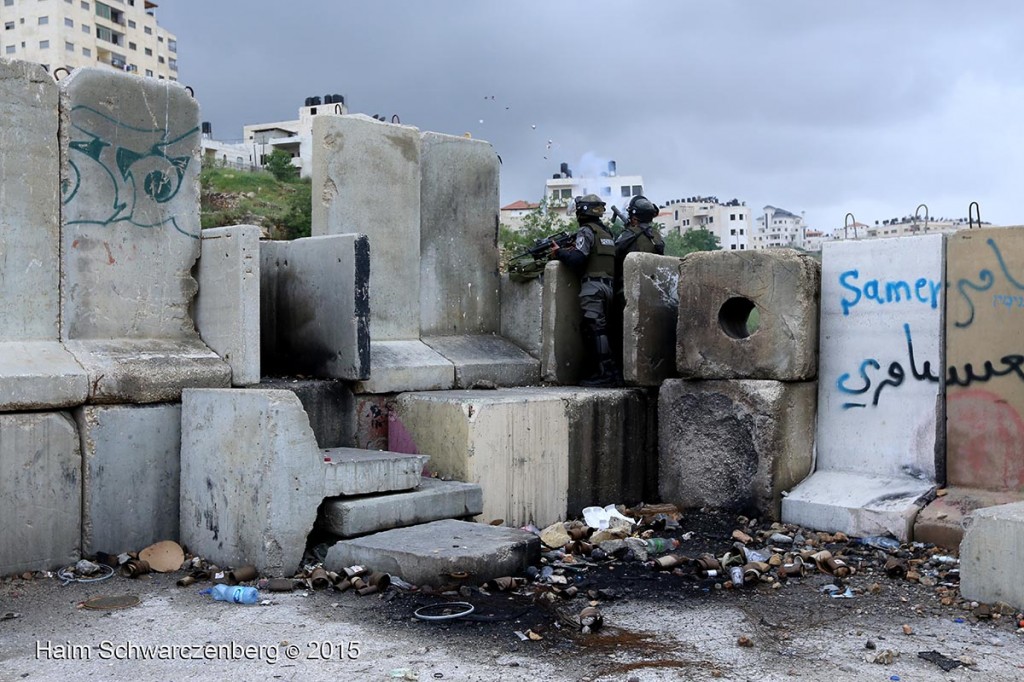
{"x": 607, "y": 371}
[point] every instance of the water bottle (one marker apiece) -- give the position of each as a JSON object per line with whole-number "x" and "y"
{"x": 661, "y": 545}
{"x": 236, "y": 594}
{"x": 881, "y": 542}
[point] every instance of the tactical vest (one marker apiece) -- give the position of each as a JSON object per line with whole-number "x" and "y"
{"x": 601, "y": 262}
{"x": 643, "y": 238}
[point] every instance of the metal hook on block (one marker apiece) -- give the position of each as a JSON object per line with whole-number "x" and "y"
{"x": 927, "y": 216}
{"x": 337, "y": 109}
{"x": 847, "y": 221}
{"x": 58, "y": 70}
{"x": 973, "y": 210}
{"x": 395, "y": 119}
{"x": 190, "y": 91}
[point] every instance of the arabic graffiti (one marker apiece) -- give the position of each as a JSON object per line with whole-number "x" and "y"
{"x": 985, "y": 281}
{"x": 129, "y": 174}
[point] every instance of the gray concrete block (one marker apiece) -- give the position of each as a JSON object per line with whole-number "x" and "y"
{"x": 315, "y": 306}
{"x": 433, "y": 500}
{"x": 487, "y": 358}
{"x": 36, "y": 375}
{"x": 227, "y": 309}
{"x": 562, "y": 351}
{"x": 718, "y": 293}
{"x": 427, "y": 554}
{"x": 459, "y": 285}
{"x": 990, "y": 555}
{"x": 366, "y": 180}
{"x": 651, "y": 288}
{"x": 148, "y": 370}
{"x": 367, "y": 472}
{"x": 521, "y": 313}
{"x": 734, "y": 445}
{"x": 130, "y": 474}
{"x": 329, "y": 405}
{"x": 40, "y": 492}
{"x": 409, "y": 365}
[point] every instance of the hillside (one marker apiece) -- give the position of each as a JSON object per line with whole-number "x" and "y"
{"x": 231, "y": 197}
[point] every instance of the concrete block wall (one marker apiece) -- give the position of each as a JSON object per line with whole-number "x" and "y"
{"x": 651, "y": 289}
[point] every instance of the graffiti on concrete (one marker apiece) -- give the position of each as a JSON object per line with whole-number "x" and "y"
{"x": 986, "y": 280}
{"x": 129, "y": 174}
{"x": 922, "y": 290}
{"x": 1007, "y": 301}
{"x": 896, "y": 374}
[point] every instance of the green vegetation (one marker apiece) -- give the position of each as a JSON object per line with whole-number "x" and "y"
{"x": 690, "y": 241}
{"x": 279, "y": 164}
{"x": 283, "y": 208}
{"x": 539, "y": 223}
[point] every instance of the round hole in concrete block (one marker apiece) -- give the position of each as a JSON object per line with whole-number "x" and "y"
{"x": 739, "y": 317}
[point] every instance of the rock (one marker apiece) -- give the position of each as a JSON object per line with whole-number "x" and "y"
{"x": 609, "y": 534}
{"x": 555, "y": 535}
{"x": 639, "y": 548}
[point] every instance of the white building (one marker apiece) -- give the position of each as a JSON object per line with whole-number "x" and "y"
{"x": 513, "y": 214}
{"x": 117, "y": 34}
{"x": 778, "y": 228}
{"x": 729, "y": 221}
{"x": 294, "y": 137}
{"x": 614, "y": 189}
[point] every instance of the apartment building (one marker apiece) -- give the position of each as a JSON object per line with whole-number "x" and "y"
{"x": 117, "y": 34}
{"x": 778, "y": 228}
{"x": 294, "y": 137}
{"x": 614, "y": 189}
{"x": 729, "y": 221}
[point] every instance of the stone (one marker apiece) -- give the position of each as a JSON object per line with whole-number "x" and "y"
{"x": 130, "y": 475}
{"x": 315, "y": 307}
{"x": 651, "y": 288}
{"x": 40, "y": 492}
{"x": 365, "y": 472}
{"x": 429, "y": 553}
{"x": 433, "y": 500}
{"x": 521, "y": 312}
{"x": 406, "y": 366}
{"x": 486, "y": 357}
{"x": 734, "y": 445}
{"x": 562, "y": 351}
{"x": 990, "y": 555}
{"x": 227, "y": 310}
{"x": 719, "y": 291}
{"x": 555, "y": 536}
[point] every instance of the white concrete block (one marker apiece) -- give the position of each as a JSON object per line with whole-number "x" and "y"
{"x": 991, "y": 555}
{"x": 409, "y": 365}
{"x": 38, "y": 374}
{"x": 486, "y": 357}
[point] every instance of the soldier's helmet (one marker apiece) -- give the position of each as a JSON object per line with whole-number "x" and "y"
{"x": 642, "y": 208}
{"x": 589, "y": 205}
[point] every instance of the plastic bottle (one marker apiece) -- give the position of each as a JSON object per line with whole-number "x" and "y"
{"x": 881, "y": 542}
{"x": 233, "y": 593}
{"x": 661, "y": 545}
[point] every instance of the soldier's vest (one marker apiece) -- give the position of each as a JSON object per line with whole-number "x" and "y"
{"x": 631, "y": 241}
{"x": 601, "y": 262}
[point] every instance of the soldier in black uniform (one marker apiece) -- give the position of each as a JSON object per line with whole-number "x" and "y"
{"x": 593, "y": 259}
{"x": 638, "y": 235}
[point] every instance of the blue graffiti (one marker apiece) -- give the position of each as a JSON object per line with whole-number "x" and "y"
{"x": 986, "y": 279}
{"x": 136, "y": 172}
{"x": 1007, "y": 301}
{"x": 896, "y": 375}
{"x": 923, "y": 290}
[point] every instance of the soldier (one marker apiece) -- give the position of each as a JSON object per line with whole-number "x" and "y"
{"x": 592, "y": 258}
{"x": 637, "y": 235}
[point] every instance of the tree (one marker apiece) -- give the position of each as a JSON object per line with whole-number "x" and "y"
{"x": 279, "y": 163}
{"x": 537, "y": 224}
{"x": 692, "y": 240}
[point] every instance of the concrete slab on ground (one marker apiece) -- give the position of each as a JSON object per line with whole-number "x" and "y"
{"x": 857, "y": 504}
{"x": 427, "y": 554}
{"x": 990, "y": 555}
{"x": 352, "y": 471}
{"x": 406, "y": 365}
{"x": 433, "y": 500}
{"x": 40, "y": 374}
{"x": 942, "y": 521}
{"x": 488, "y": 358}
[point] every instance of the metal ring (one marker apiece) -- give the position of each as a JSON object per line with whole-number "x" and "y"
{"x": 972, "y": 210}
{"x": 846, "y": 225}
{"x": 469, "y": 608}
{"x": 926, "y": 213}
{"x": 395, "y": 119}
{"x": 337, "y": 109}
{"x": 188, "y": 88}
{"x": 58, "y": 70}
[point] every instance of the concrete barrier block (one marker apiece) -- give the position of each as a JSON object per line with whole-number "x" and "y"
{"x": 353, "y": 471}
{"x": 562, "y": 351}
{"x": 486, "y": 358}
{"x": 458, "y": 267}
{"x": 734, "y": 445}
{"x": 521, "y": 313}
{"x": 315, "y": 310}
{"x": 330, "y": 406}
{"x": 719, "y": 292}
{"x": 426, "y": 554}
{"x": 354, "y": 157}
{"x": 130, "y": 236}
{"x": 409, "y": 365}
{"x": 990, "y": 555}
{"x": 372, "y": 414}
{"x": 227, "y": 308}
{"x": 651, "y": 288}
{"x": 40, "y": 492}
{"x": 984, "y": 391}
{"x": 942, "y": 521}
{"x": 540, "y": 454}
{"x": 130, "y": 473}
{"x": 432, "y": 500}
{"x": 39, "y": 374}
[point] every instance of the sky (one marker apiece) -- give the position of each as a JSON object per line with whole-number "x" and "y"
{"x": 826, "y": 108}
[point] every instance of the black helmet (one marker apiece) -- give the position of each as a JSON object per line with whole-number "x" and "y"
{"x": 589, "y": 205}
{"x": 642, "y": 208}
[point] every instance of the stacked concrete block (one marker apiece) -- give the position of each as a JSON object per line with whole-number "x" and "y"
{"x": 984, "y": 393}
{"x": 130, "y": 237}
{"x": 330, "y": 407}
{"x": 253, "y": 477}
{"x": 36, "y": 372}
{"x": 562, "y": 353}
{"x": 738, "y": 431}
{"x": 880, "y": 408}
{"x": 521, "y": 313}
{"x": 651, "y": 288}
{"x": 540, "y": 454}
{"x": 227, "y": 308}
{"x": 130, "y": 474}
{"x": 993, "y": 543}
{"x": 40, "y": 491}
{"x": 315, "y": 307}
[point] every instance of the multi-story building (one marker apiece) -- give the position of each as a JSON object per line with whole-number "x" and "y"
{"x": 729, "y": 221}
{"x": 614, "y": 189}
{"x": 778, "y": 228}
{"x": 117, "y": 34}
{"x": 294, "y": 137}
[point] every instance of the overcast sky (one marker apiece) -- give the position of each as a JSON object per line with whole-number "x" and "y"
{"x": 871, "y": 107}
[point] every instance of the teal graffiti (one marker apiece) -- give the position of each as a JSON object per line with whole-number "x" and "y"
{"x": 137, "y": 174}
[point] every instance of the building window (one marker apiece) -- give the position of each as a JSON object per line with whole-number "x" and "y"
{"x": 159, "y": 39}
{"x": 44, "y": 44}
{"x": 86, "y": 28}
{"x": 625, "y": 190}
{"x": 131, "y": 46}
{"x": 567, "y": 193}
{"x": 733, "y": 231}
{"x": 606, "y": 191}
{"x": 173, "y": 63}
{"x": 149, "y": 73}
{"x": 637, "y": 190}
{"x": 172, "y": 45}
{"x": 69, "y": 22}
{"x": 148, "y": 31}
{"x": 103, "y": 11}
{"x": 8, "y": 3}
{"x": 43, "y": 21}
{"x": 149, "y": 52}
{"x": 10, "y": 49}
{"x": 711, "y": 219}
{"x": 131, "y": 24}
{"x": 160, "y": 59}
{"x": 8, "y": 25}
{"x": 85, "y": 6}
{"x": 732, "y": 216}
{"x": 741, "y": 230}
{"x": 86, "y": 52}
{"x": 70, "y": 47}
{"x": 104, "y": 33}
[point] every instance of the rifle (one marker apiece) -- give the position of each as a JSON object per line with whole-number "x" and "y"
{"x": 530, "y": 263}
{"x": 620, "y": 216}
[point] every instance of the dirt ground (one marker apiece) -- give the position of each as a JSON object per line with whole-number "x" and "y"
{"x": 657, "y": 626}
